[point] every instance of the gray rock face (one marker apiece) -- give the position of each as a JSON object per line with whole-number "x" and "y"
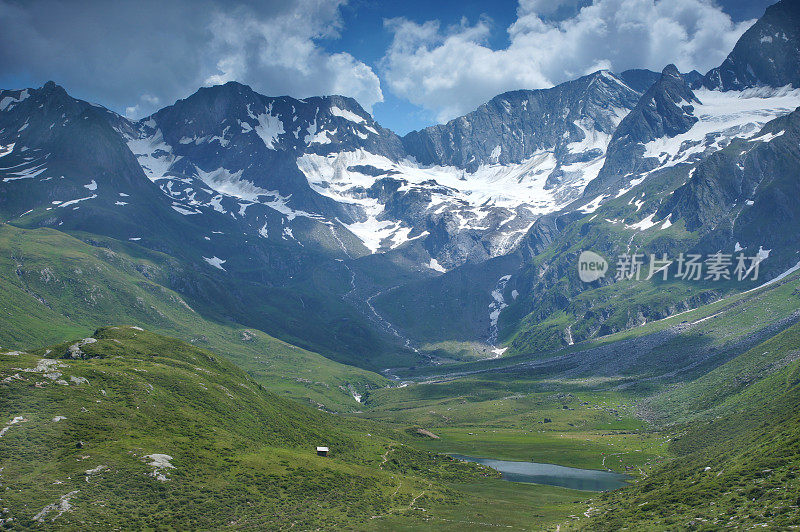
{"x": 513, "y": 126}
{"x": 231, "y": 133}
{"x": 768, "y": 54}
{"x": 666, "y": 109}
{"x": 62, "y": 156}
{"x": 641, "y": 79}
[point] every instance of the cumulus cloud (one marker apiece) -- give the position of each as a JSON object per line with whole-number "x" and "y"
{"x": 139, "y": 56}
{"x": 284, "y": 48}
{"x": 452, "y": 70}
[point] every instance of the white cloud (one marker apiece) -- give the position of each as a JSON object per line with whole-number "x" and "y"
{"x": 146, "y": 101}
{"x": 452, "y": 70}
{"x": 138, "y": 56}
{"x": 283, "y": 48}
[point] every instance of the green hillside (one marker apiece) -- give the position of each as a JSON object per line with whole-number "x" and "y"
{"x": 56, "y": 287}
{"x": 717, "y": 387}
{"x": 738, "y": 469}
{"x": 131, "y": 427}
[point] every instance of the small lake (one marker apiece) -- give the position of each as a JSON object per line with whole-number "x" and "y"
{"x": 553, "y": 475}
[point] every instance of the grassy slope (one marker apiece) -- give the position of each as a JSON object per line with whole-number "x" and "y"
{"x": 740, "y": 469}
{"x": 57, "y": 287}
{"x": 715, "y": 325}
{"x": 240, "y": 456}
{"x": 729, "y": 388}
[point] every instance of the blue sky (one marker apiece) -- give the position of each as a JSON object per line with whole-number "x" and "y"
{"x": 412, "y": 63}
{"x": 366, "y": 38}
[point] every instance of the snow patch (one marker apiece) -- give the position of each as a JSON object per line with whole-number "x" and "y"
{"x": 6, "y": 102}
{"x": 722, "y": 116}
{"x": 496, "y": 306}
{"x": 154, "y": 155}
{"x": 182, "y": 210}
{"x": 434, "y": 265}
{"x": 468, "y": 197}
{"x": 73, "y": 202}
{"x": 498, "y": 351}
{"x": 269, "y": 128}
{"x": 215, "y": 262}
{"x": 347, "y": 115}
{"x": 643, "y": 225}
{"x": 767, "y": 137}
{"x": 594, "y": 204}
{"x": 230, "y": 183}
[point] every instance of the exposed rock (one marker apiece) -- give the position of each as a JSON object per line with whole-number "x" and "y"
{"x": 74, "y": 351}
{"x": 665, "y": 110}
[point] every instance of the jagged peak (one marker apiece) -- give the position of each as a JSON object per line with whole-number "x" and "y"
{"x": 234, "y": 90}
{"x": 605, "y": 76}
{"x": 672, "y": 71}
{"x": 765, "y": 55}
{"x": 672, "y": 85}
{"x": 52, "y": 88}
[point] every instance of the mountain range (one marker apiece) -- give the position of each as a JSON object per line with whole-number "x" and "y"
{"x": 277, "y": 198}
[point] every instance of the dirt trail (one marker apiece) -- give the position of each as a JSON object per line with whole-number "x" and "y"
{"x": 385, "y": 457}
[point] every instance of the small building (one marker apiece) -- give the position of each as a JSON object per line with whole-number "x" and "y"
{"x": 322, "y": 451}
